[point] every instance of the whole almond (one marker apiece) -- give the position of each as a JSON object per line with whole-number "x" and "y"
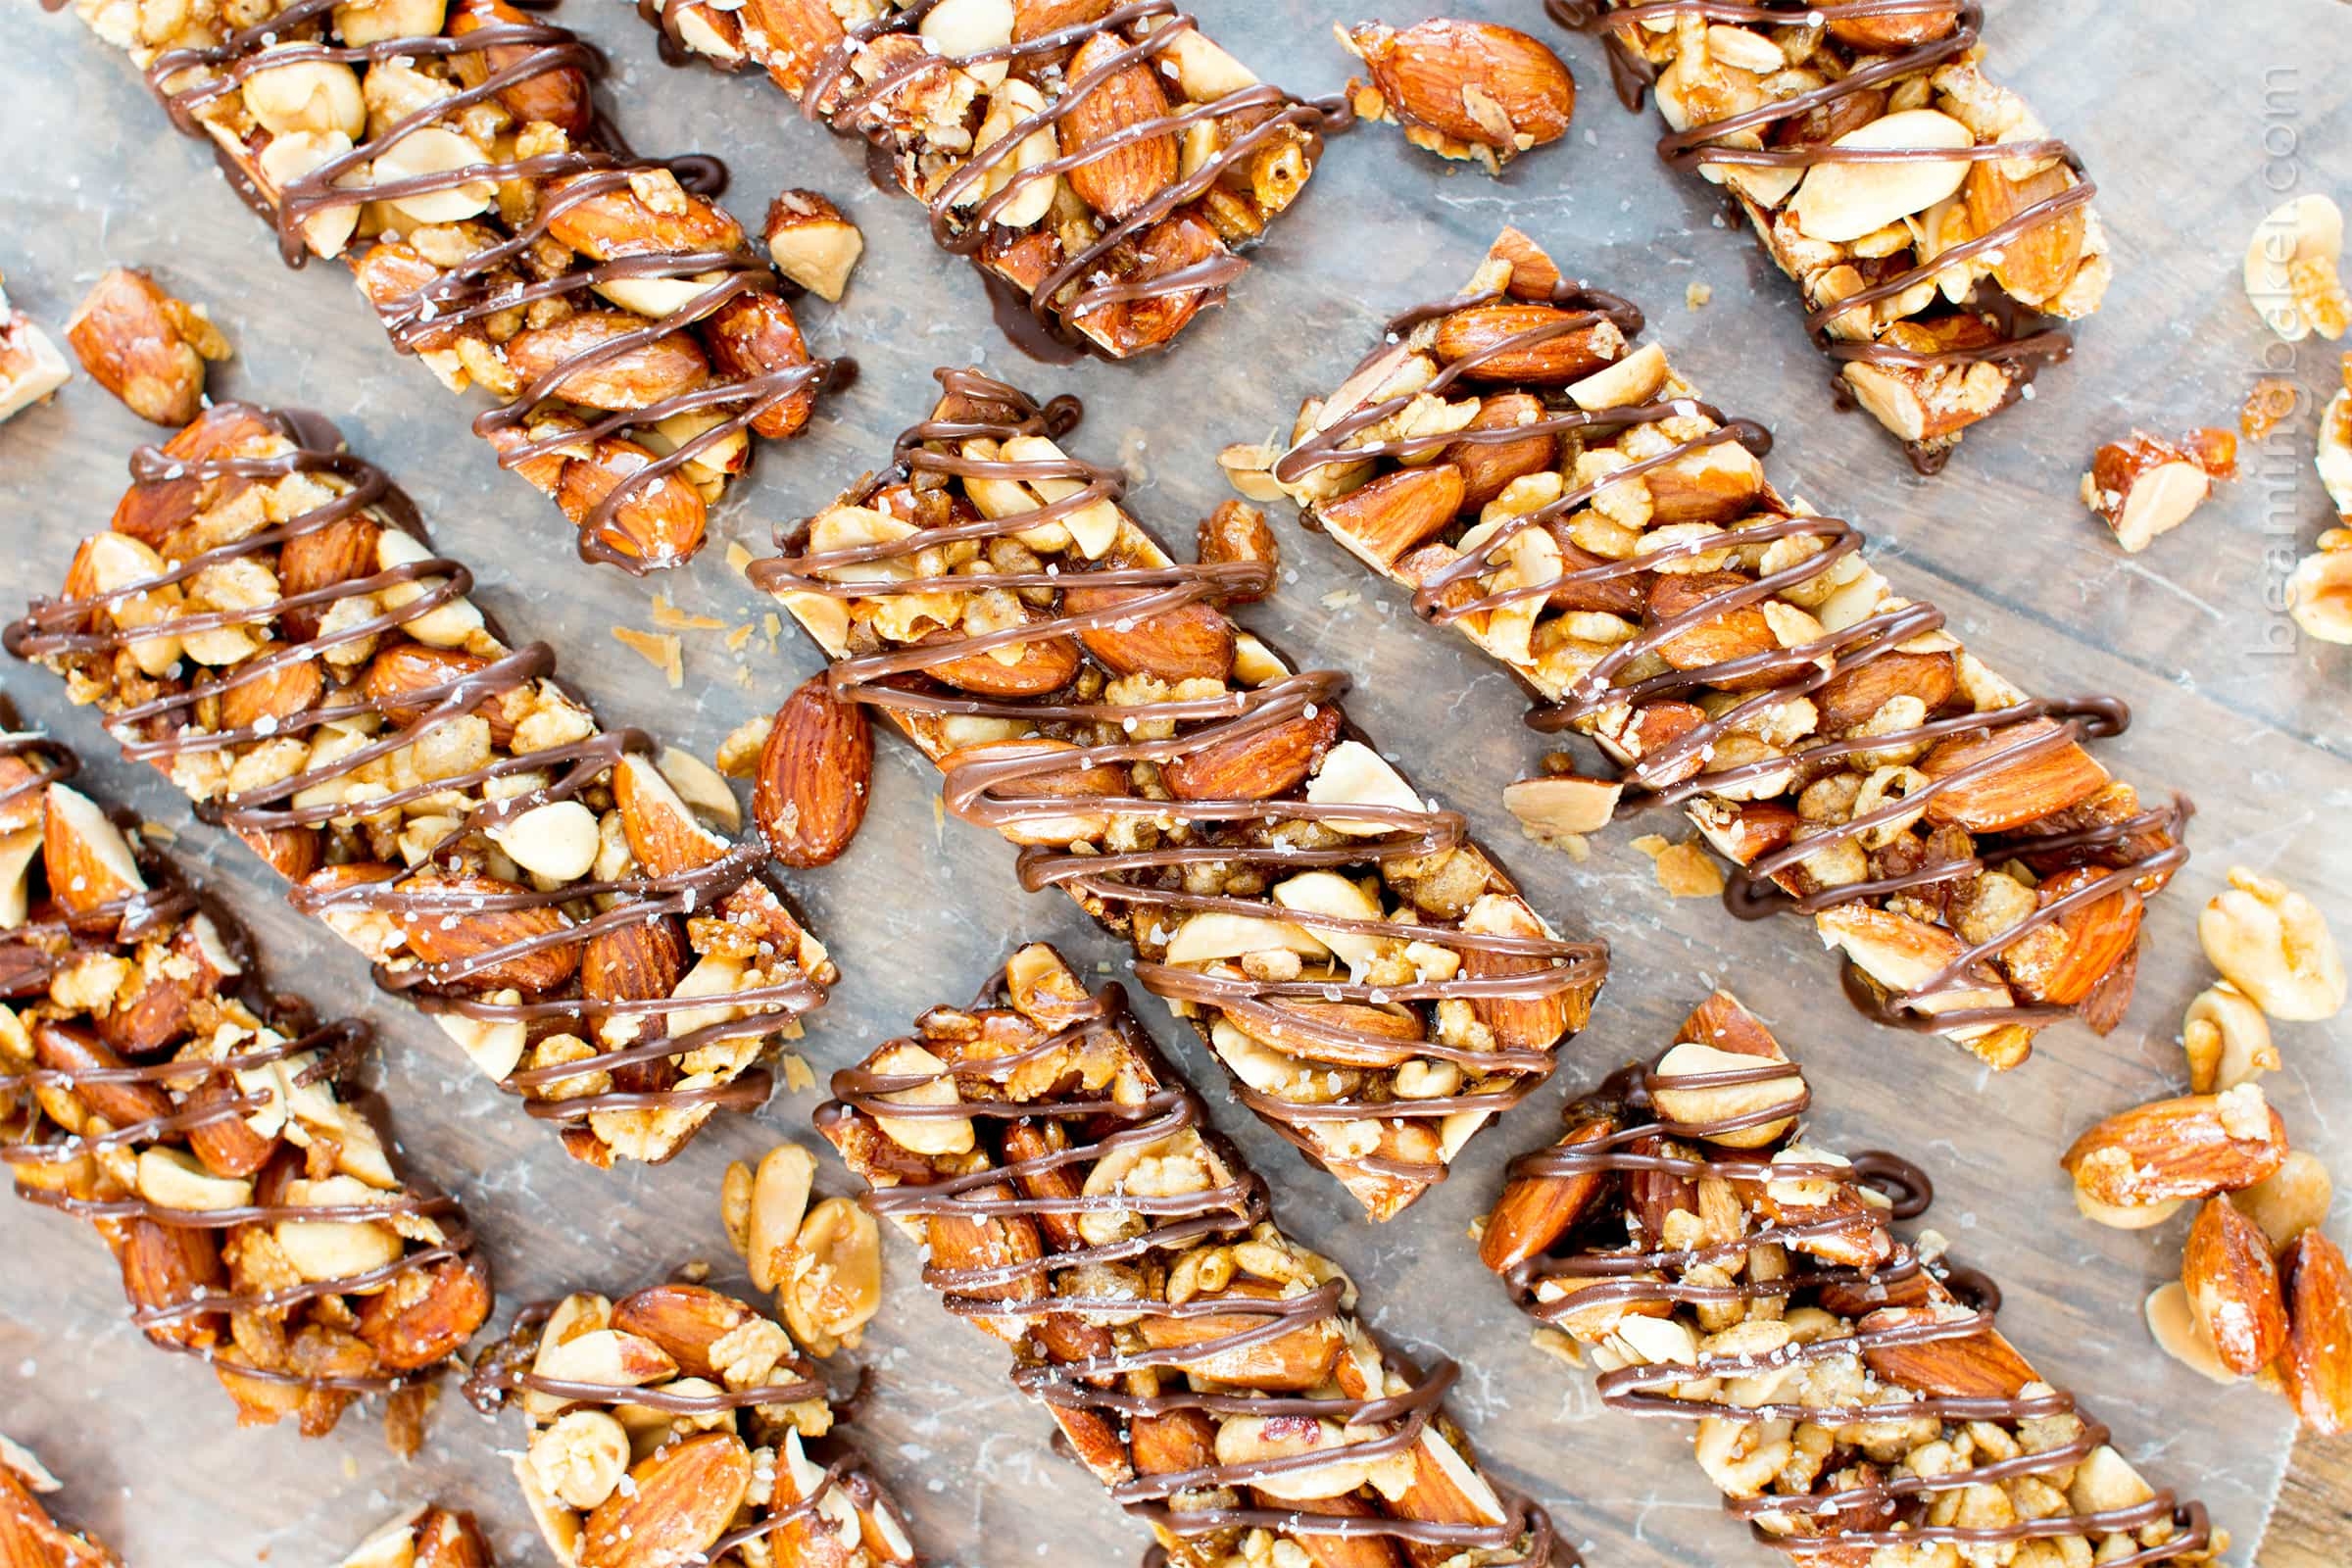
{"x": 1045, "y": 665}
{"x": 1257, "y": 765}
{"x": 1191, "y": 642}
{"x": 555, "y": 94}
{"x": 2232, "y": 1288}
{"x": 1537, "y": 1211}
{"x": 1477, "y": 81}
{"x": 1878, "y": 35}
{"x": 427, "y": 1316}
{"x": 635, "y": 377}
{"x": 661, "y": 518}
{"x": 815, "y": 776}
{"x": 756, "y": 334}
{"x": 1859, "y": 689}
{"x": 1387, "y": 517}
{"x": 1488, "y": 466}
{"x": 455, "y": 933}
{"x": 634, "y": 962}
{"x": 407, "y": 680}
{"x": 677, "y": 1501}
{"x": 2023, "y": 787}
{"x": 1978, "y": 1365}
{"x": 1720, "y": 638}
{"x": 1237, "y": 532}
{"x": 2038, "y": 263}
{"x": 127, "y": 337}
{"x": 683, "y": 1319}
{"x": 166, "y": 1266}
{"x": 2194, "y": 1147}
{"x": 1173, "y": 1442}
{"x": 1289, "y": 1362}
{"x": 1532, "y": 1023}
{"x": 277, "y": 694}
{"x": 2317, "y": 1367}
{"x": 1488, "y": 337}
{"x": 1127, "y": 174}
{"x": 2089, "y": 940}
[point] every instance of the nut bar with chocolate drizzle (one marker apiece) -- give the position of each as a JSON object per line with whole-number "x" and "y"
{"x": 266, "y": 622}
{"x": 1100, "y": 162}
{"x": 1209, "y": 1369}
{"x": 1854, "y": 1400}
{"x": 449, "y": 151}
{"x": 1371, "y": 978}
{"x": 1932, "y": 222}
{"x": 679, "y": 1425}
{"x": 152, "y": 1083}
{"x": 29, "y": 1537}
{"x": 1566, "y": 501}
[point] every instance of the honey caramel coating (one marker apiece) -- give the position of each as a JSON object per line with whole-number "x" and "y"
{"x": 1100, "y": 162}
{"x": 1207, "y": 1368}
{"x": 1567, "y": 501}
{"x": 268, "y": 623}
{"x": 1934, "y": 224}
{"x": 152, "y": 1083}
{"x": 1852, "y": 1400}
{"x": 679, "y": 1424}
{"x": 29, "y": 1536}
{"x": 450, "y": 154}
{"x": 1372, "y": 979}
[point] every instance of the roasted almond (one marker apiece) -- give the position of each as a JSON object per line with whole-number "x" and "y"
{"x": 1129, "y": 170}
{"x": 661, "y": 831}
{"x": 755, "y": 335}
{"x": 554, "y": 93}
{"x": 1387, "y": 517}
{"x": 1476, "y": 81}
{"x": 2083, "y": 945}
{"x": 685, "y": 1320}
{"x": 2037, "y": 264}
{"x": 1192, "y": 642}
{"x": 1978, "y": 1365}
{"x": 134, "y": 340}
{"x": 408, "y": 680}
{"x": 815, "y": 776}
{"x": 1288, "y": 1363}
{"x": 274, "y": 695}
{"x": 1490, "y": 466}
{"x": 1529, "y": 344}
{"x": 1531, "y": 1024}
{"x": 1042, "y": 664}
{"x": 1885, "y": 33}
{"x": 636, "y": 961}
{"x": 426, "y": 1315}
{"x": 1173, "y": 1442}
{"x": 85, "y": 859}
{"x": 634, "y": 377}
{"x": 1537, "y": 1211}
{"x": 2190, "y": 1148}
{"x": 2233, "y": 1287}
{"x": 661, "y": 519}
{"x": 2316, "y": 1367}
{"x": 1258, "y": 765}
{"x": 1236, "y": 532}
{"x": 168, "y": 1267}
{"x": 1859, "y": 689}
{"x": 677, "y": 1501}
{"x": 2031, "y": 779}
{"x": 456, "y": 931}
{"x": 1711, "y": 639}
{"x": 69, "y": 1048}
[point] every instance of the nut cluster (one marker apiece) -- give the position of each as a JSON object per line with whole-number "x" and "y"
{"x": 1925, "y": 212}
{"x": 266, "y": 623}
{"x": 449, "y": 153}
{"x": 145, "y": 346}
{"x": 1373, "y": 981}
{"x": 2319, "y": 593}
{"x": 1566, "y": 501}
{"x": 1209, "y": 1370}
{"x": 1100, "y": 161}
{"x": 29, "y": 1537}
{"x": 152, "y": 1085}
{"x": 1850, "y": 1402}
{"x": 679, "y": 1425}
{"x": 2145, "y": 485}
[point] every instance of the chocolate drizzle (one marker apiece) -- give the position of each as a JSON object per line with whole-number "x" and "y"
{"x": 1086, "y": 1129}
{"x": 202, "y": 1091}
{"x": 2147, "y": 843}
{"x": 513, "y": 56}
{"x": 165, "y": 728}
{"x": 2019, "y": 346}
{"x": 1130, "y": 887}
{"x": 1622, "y": 1133}
{"x": 1079, "y": 284}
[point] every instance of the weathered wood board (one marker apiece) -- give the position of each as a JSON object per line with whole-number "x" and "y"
{"x": 2195, "y": 121}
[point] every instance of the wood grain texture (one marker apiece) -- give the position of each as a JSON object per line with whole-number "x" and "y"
{"x": 2313, "y": 1525}
{"x": 2231, "y": 707}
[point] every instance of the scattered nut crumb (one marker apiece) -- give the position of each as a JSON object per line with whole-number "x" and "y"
{"x": 1686, "y": 870}
{"x": 1696, "y": 295}
{"x": 658, "y": 649}
{"x": 739, "y": 560}
{"x": 797, "y": 1073}
{"x": 1341, "y": 599}
{"x": 2269, "y": 401}
{"x": 812, "y": 244}
{"x": 739, "y": 636}
{"x": 671, "y": 617}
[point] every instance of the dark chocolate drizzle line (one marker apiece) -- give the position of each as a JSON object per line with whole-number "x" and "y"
{"x": 599, "y": 164}
{"x": 503, "y": 1374}
{"x": 158, "y": 730}
{"x": 121, "y": 924}
{"x": 988, "y": 791}
{"x": 1888, "y": 1512}
{"x": 834, "y": 95}
{"x": 1676, "y": 771}
{"x": 2020, "y": 351}
{"x": 1100, "y": 1127}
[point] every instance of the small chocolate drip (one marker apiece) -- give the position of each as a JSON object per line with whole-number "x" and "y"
{"x": 1099, "y": 1127}
{"x": 1619, "y": 1132}
{"x": 597, "y": 164}
{"x": 163, "y": 729}
{"x": 996, "y": 792}
{"x": 2020, "y": 344}
{"x": 121, "y": 924}
{"x": 1678, "y": 770}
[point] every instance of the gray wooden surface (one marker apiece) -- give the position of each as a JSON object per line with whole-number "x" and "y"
{"x": 2189, "y": 115}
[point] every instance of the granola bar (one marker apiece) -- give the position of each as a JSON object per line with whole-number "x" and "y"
{"x": 1568, "y": 502}
{"x": 153, "y": 1084}
{"x": 1207, "y": 1368}
{"x": 679, "y": 1425}
{"x": 266, "y": 622}
{"x": 1371, "y": 978}
{"x": 1934, "y": 224}
{"x": 1100, "y": 162}
{"x": 449, "y": 151}
{"x": 1854, "y": 1399}
{"x": 29, "y": 1537}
